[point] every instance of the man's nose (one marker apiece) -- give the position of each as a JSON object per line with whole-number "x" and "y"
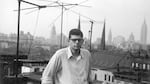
{"x": 77, "y": 41}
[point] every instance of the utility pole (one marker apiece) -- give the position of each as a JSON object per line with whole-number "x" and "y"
{"x": 18, "y": 31}
{"x": 91, "y": 35}
{"x": 62, "y": 12}
{"x": 18, "y": 36}
{"x": 91, "y": 30}
{"x": 61, "y": 25}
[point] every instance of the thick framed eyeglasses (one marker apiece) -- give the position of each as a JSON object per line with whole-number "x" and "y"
{"x": 74, "y": 40}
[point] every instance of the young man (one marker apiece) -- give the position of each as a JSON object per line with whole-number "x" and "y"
{"x": 69, "y": 65}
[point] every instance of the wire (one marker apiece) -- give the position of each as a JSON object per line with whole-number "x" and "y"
{"x": 31, "y": 11}
{"x": 36, "y": 25}
{"x": 79, "y": 4}
{"x": 75, "y": 13}
{"x": 55, "y": 19}
{"x": 72, "y": 11}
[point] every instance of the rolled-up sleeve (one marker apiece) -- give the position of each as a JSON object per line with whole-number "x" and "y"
{"x": 51, "y": 69}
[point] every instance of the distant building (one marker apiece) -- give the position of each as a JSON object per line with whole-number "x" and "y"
{"x": 64, "y": 40}
{"x": 13, "y": 37}
{"x": 28, "y": 69}
{"x": 109, "y": 41}
{"x": 53, "y": 36}
{"x": 3, "y": 37}
{"x": 131, "y": 38}
{"x": 29, "y": 66}
{"x": 131, "y": 42}
{"x": 106, "y": 77}
{"x": 119, "y": 42}
{"x": 26, "y": 41}
{"x": 97, "y": 43}
{"x": 143, "y": 39}
{"x": 3, "y": 44}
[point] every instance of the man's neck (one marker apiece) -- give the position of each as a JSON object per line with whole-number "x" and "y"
{"x": 75, "y": 52}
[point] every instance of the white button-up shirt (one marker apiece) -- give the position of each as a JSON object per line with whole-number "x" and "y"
{"x": 63, "y": 68}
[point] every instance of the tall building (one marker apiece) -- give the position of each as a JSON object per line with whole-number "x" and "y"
{"x": 53, "y": 36}
{"x": 109, "y": 41}
{"x": 143, "y": 39}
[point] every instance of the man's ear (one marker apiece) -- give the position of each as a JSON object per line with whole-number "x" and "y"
{"x": 82, "y": 41}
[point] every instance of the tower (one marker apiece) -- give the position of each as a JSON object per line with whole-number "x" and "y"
{"x": 103, "y": 38}
{"x": 131, "y": 41}
{"x": 53, "y": 35}
{"x": 143, "y": 39}
{"x": 79, "y": 24}
{"x": 109, "y": 41}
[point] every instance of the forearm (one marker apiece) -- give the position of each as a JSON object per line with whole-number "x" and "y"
{"x": 46, "y": 80}
{"x": 50, "y": 70}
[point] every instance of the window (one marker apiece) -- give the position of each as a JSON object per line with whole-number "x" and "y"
{"x": 144, "y": 66}
{"x": 112, "y": 78}
{"x": 140, "y": 66}
{"x": 137, "y": 65}
{"x": 105, "y": 77}
{"x": 36, "y": 70}
{"x": 148, "y": 66}
{"x": 95, "y": 77}
{"x": 133, "y": 65}
{"x": 108, "y": 77}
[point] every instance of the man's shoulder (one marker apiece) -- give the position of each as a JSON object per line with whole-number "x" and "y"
{"x": 61, "y": 51}
{"x": 85, "y": 50}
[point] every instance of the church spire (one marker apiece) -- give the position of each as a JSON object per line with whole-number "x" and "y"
{"x": 79, "y": 24}
{"x": 103, "y": 37}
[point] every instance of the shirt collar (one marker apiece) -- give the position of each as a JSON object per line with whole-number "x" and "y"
{"x": 70, "y": 53}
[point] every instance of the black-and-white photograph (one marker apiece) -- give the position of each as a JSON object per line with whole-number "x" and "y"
{"x": 74, "y": 42}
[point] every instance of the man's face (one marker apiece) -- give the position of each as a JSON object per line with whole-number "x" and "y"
{"x": 75, "y": 42}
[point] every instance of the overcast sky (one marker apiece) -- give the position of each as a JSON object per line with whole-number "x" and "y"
{"x": 123, "y": 17}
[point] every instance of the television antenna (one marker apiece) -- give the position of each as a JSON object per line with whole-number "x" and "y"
{"x": 63, "y": 5}
{"x": 91, "y": 21}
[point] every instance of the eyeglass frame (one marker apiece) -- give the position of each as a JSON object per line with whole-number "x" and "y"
{"x": 79, "y": 40}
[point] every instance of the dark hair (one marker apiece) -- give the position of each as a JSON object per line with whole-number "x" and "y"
{"x": 75, "y": 32}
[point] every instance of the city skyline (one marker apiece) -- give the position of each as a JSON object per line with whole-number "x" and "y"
{"x": 122, "y": 17}
{"x": 108, "y": 40}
